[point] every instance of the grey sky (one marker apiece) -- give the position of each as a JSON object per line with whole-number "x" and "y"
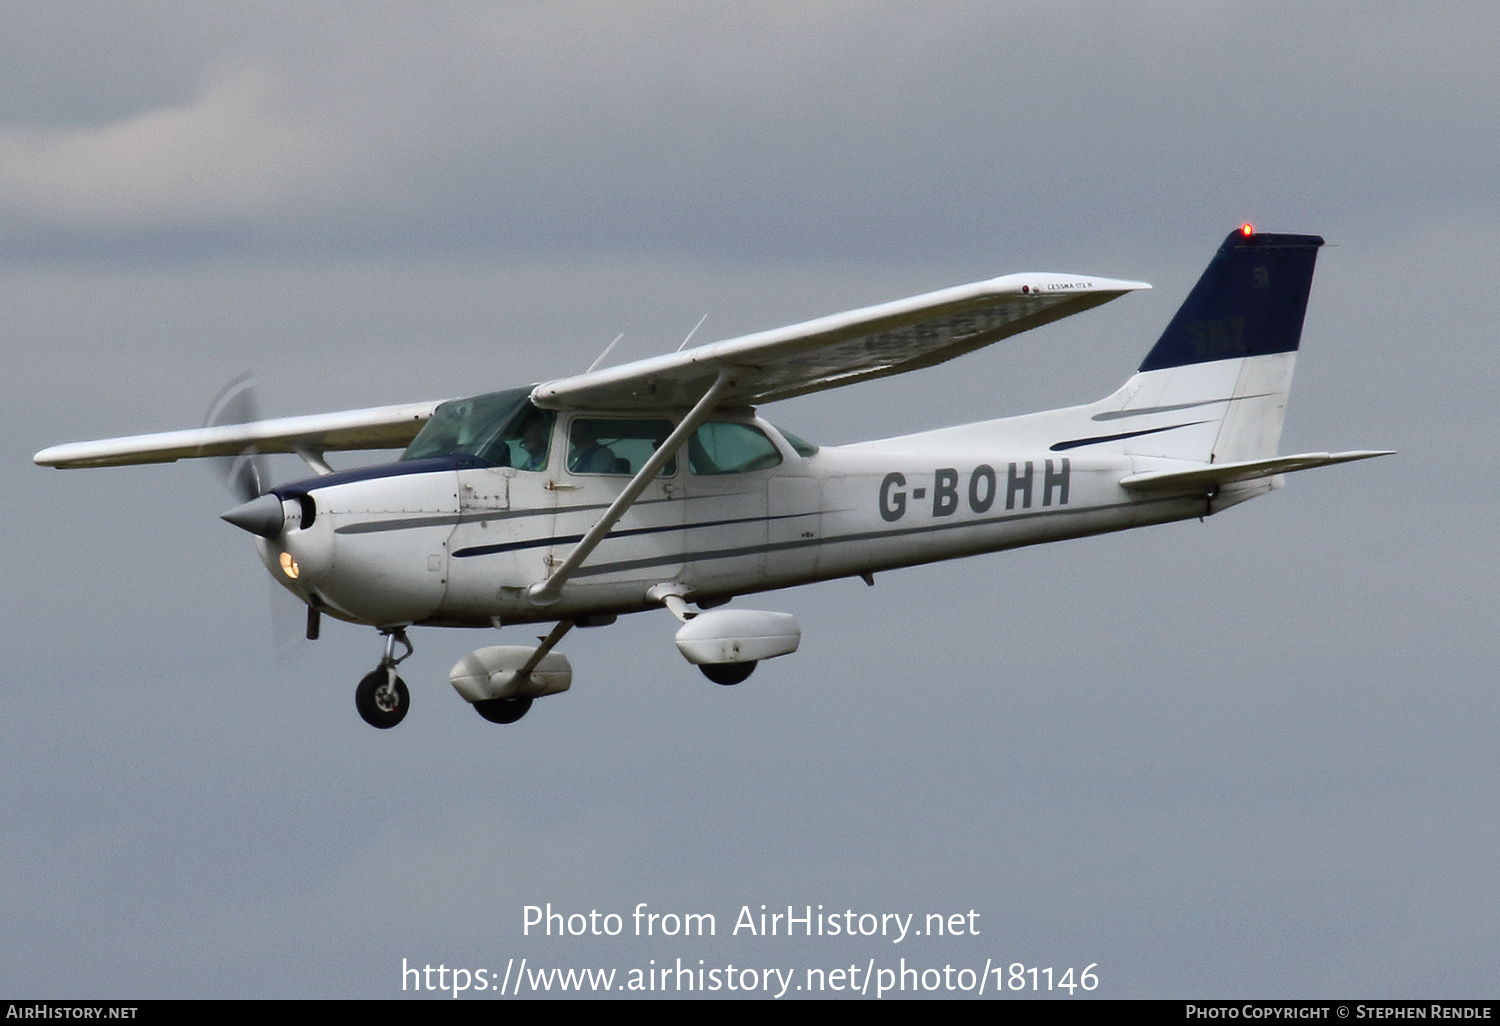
{"x": 1253, "y": 756}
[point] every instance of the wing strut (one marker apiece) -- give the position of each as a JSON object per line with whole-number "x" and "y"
{"x": 547, "y": 645}
{"x": 546, "y": 592}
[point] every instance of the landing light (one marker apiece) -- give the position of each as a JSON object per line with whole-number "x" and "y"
{"x": 289, "y": 565}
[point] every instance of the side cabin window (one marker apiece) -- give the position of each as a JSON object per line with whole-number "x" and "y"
{"x": 721, "y": 447}
{"x": 600, "y": 446}
{"x": 501, "y": 428}
{"x": 526, "y": 441}
{"x": 800, "y": 445}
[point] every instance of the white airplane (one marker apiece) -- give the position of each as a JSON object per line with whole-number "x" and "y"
{"x": 655, "y": 484}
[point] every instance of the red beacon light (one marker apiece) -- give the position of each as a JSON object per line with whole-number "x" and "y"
{"x": 1247, "y": 229}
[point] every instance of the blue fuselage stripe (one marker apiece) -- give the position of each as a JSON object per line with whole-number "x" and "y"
{"x": 1096, "y": 439}
{"x": 572, "y": 539}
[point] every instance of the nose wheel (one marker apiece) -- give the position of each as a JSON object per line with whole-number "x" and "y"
{"x": 381, "y": 698}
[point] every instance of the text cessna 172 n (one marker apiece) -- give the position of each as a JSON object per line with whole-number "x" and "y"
{"x": 655, "y": 484}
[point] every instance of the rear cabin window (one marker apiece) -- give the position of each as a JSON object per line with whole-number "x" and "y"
{"x": 800, "y": 445}
{"x": 727, "y": 448}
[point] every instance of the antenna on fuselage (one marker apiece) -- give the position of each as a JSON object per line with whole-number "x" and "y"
{"x": 693, "y": 332}
{"x": 600, "y": 358}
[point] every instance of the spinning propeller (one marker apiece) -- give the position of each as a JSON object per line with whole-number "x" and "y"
{"x": 259, "y": 512}
{"x": 244, "y": 475}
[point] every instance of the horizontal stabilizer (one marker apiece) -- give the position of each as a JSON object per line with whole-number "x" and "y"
{"x": 381, "y": 427}
{"x": 1211, "y": 477}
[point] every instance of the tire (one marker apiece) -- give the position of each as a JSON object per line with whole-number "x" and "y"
{"x": 727, "y": 673}
{"x": 503, "y": 710}
{"x": 370, "y": 709}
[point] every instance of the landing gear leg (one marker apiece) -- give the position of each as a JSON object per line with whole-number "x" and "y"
{"x": 509, "y": 710}
{"x": 382, "y": 698}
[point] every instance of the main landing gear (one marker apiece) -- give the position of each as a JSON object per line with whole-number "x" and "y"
{"x": 727, "y": 673}
{"x": 382, "y": 698}
{"x": 727, "y": 643}
{"x": 503, "y": 710}
{"x": 512, "y": 668}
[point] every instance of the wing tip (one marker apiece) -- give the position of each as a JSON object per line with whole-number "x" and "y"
{"x": 1050, "y": 281}
{"x": 52, "y": 456}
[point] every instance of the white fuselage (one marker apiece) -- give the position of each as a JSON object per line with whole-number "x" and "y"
{"x": 460, "y": 546}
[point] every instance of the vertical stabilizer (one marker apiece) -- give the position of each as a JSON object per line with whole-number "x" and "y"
{"x": 1214, "y": 387}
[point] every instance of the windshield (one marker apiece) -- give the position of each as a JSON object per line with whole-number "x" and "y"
{"x": 502, "y": 428}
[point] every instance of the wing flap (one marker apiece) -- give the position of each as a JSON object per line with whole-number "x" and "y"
{"x": 828, "y": 352}
{"x": 381, "y": 427}
{"x": 1212, "y": 476}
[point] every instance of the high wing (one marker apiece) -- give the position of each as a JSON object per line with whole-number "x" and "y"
{"x": 841, "y": 349}
{"x": 380, "y": 427}
{"x": 857, "y": 345}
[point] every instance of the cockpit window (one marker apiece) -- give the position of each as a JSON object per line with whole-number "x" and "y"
{"x": 530, "y": 438}
{"x": 502, "y": 428}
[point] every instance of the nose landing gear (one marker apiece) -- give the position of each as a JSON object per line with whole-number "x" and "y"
{"x": 382, "y": 698}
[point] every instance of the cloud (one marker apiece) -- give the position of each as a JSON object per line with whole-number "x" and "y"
{"x": 850, "y": 129}
{"x": 235, "y": 150}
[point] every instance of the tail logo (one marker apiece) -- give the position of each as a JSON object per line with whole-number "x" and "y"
{"x": 1219, "y": 337}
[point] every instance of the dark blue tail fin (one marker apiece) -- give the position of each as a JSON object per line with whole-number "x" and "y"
{"x": 1249, "y": 302}
{"x": 1214, "y": 387}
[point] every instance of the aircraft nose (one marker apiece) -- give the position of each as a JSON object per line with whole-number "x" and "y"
{"x": 261, "y": 515}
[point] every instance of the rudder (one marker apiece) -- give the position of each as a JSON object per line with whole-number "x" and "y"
{"x": 1250, "y": 301}
{"x": 1218, "y": 378}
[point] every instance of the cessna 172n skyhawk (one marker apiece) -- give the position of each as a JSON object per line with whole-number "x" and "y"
{"x": 655, "y": 484}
